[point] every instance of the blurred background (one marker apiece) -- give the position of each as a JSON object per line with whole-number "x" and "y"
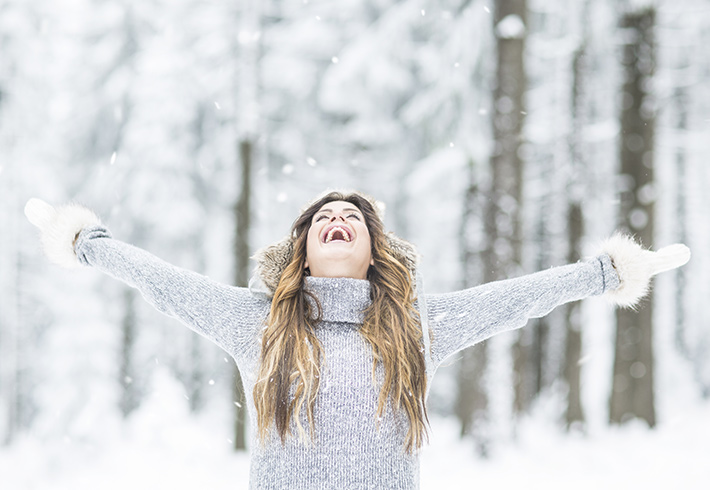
{"x": 504, "y": 137}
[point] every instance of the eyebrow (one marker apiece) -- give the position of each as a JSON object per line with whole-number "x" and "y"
{"x": 328, "y": 210}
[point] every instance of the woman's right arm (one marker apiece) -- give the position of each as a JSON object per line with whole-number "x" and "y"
{"x": 227, "y": 315}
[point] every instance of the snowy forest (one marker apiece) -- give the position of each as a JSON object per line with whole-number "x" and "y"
{"x": 503, "y": 136}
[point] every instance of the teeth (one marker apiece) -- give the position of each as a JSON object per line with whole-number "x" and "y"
{"x": 332, "y": 231}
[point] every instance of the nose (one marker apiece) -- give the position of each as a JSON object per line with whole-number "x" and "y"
{"x": 336, "y": 216}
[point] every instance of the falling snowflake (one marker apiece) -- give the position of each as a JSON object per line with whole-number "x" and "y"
{"x": 510, "y": 27}
{"x": 584, "y": 359}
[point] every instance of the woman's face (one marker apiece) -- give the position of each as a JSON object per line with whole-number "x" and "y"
{"x": 338, "y": 242}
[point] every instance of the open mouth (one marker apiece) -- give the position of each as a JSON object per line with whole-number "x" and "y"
{"x": 337, "y": 233}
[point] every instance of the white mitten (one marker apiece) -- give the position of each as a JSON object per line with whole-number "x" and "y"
{"x": 59, "y": 228}
{"x": 636, "y": 266}
{"x": 668, "y": 258}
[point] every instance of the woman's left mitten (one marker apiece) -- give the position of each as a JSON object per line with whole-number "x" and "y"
{"x": 668, "y": 258}
{"x": 636, "y": 266}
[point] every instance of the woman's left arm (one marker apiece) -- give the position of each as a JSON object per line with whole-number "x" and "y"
{"x": 622, "y": 272}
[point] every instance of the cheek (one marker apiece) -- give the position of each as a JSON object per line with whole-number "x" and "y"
{"x": 311, "y": 240}
{"x": 367, "y": 243}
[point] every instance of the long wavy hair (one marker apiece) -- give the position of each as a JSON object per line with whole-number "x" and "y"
{"x": 291, "y": 354}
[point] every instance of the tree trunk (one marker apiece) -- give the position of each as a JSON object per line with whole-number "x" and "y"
{"x": 574, "y": 413}
{"x": 11, "y": 342}
{"x": 129, "y": 400}
{"x": 502, "y": 254}
{"x": 196, "y": 374}
{"x": 17, "y": 340}
{"x": 471, "y": 405}
{"x": 632, "y": 393}
{"x": 248, "y": 38}
{"x": 535, "y": 335}
{"x": 681, "y": 103}
{"x": 242, "y": 212}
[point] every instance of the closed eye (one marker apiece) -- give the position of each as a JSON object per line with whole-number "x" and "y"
{"x": 322, "y": 216}
{"x": 353, "y": 215}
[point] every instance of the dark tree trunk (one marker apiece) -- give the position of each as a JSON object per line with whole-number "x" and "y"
{"x": 501, "y": 251}
{"x": 471, "y": 405}
{"x": 242, "y": 212}
{"x": 574, "y": 413}
{"x": 573, "y": 341}
{"x": 534, "y": 337}
{"x": 248, "y": 125}
{"x": 502, "y": 254}
{"x": 632, "y": 394}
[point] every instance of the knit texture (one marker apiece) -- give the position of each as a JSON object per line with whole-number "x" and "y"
{"x": 351, "y": 449}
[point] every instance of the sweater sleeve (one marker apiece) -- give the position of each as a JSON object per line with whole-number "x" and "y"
{"x": 463, "y": 318}
{"x": 227, "y": 315}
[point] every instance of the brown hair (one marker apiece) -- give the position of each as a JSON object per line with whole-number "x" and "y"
{"x": 291, "y": 353}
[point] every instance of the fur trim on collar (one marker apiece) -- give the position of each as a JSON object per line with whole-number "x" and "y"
{"x": 271, "y": 261}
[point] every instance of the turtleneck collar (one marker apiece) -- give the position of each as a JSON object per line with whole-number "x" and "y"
{"x": 342, "y": 299}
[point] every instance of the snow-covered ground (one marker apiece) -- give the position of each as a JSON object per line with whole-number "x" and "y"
{"x": 674, "y": 456}
{"x": 161, "y": 448}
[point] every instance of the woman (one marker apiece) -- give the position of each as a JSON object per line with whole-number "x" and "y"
{"x": 335, "y": 345}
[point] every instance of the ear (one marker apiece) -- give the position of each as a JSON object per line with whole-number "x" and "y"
{"x": 305, "y": 263}
{"x": 372, "y": 261}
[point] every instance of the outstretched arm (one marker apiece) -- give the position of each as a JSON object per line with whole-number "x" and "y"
{"x": 622, "y": 272}
{"x": 73, "y": 235}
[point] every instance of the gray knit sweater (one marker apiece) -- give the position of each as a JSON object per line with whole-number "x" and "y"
{"x": 349, "y": 450}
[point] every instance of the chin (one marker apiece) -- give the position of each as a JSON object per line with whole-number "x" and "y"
{"x": 340, "y": 270}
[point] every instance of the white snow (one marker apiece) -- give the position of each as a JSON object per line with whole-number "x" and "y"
{"x": 672, "y": 456}
{"x": 161, "y": 447}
